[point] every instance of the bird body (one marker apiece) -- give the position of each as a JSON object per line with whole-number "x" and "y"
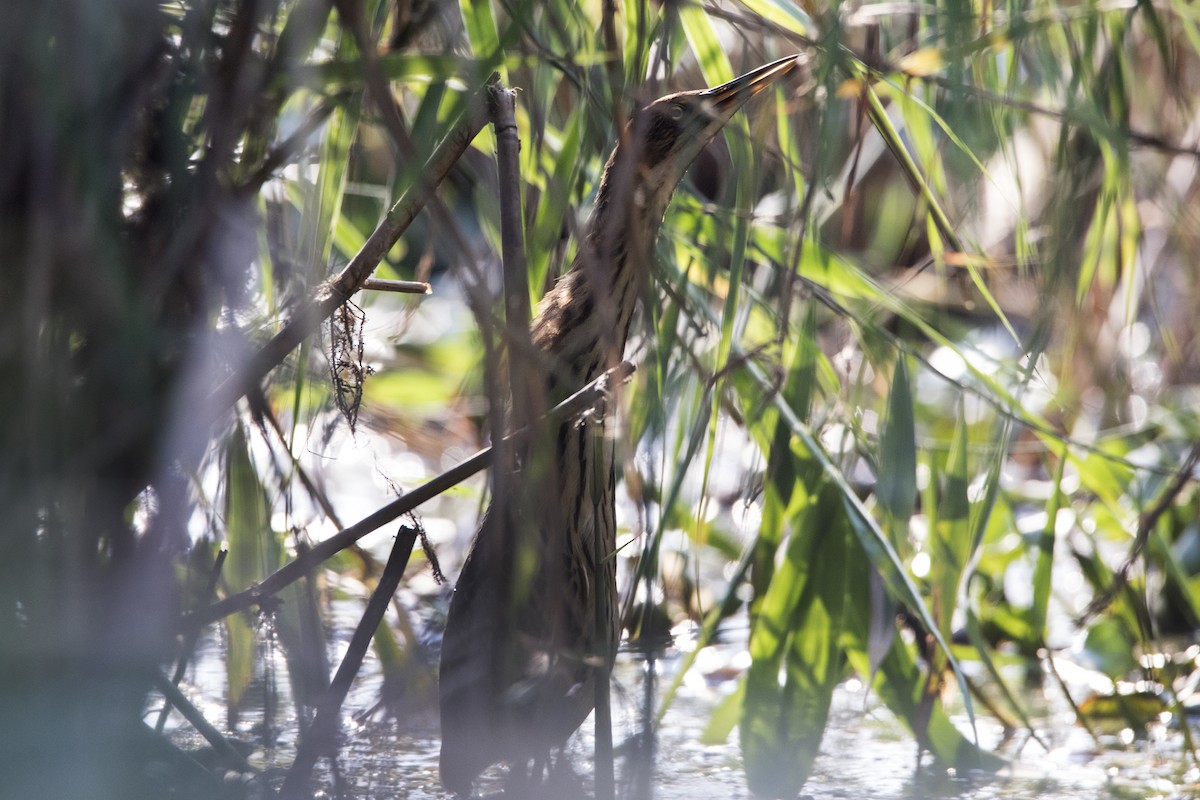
{"x": 523, "y": 637}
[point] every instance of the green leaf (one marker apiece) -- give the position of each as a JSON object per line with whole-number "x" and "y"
{"x": 1044, "y": 558}
{"x": 302, "y": 636}
{"x": 323, "y": 201}
{"x": 253, "y": 552}
{"x": 788, "y": 476}
{"x": 896, "y": 143}
{"x": 796, "y": 653}
{"x": 900, "y": 682}
{"x": 1108, "y": 648}
{"x": 714, "y": 63}
{"x": 896, "y": 488}
{"x": 950, "y": 534}
{"x": 480, "y": 24}
{"x": 555, "y": 203}
{"x": 783, "y": 13}
{"x": 345, "y": 71}
{"x": 873, "y": 541}
{"x": 724, "y": 717}
{"x": 702, "y": 38}
{"x": 983, "y": 653}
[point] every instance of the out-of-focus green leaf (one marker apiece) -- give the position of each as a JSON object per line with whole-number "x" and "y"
{"x": 1135, "y": 709}
{"x": 724, "y": 717}
{"x": 347, "y": 238}
{"x": 875, "y": 543}
{"x": 714, "y": 63}
{"x": 950, "y": 541}
{"x": 253, "y": 552}
{"x": 796, "y": 652}
{"x": 480, "y": 24}
{"x": 638, "y": 17}
{"x": 982, "y": 653}
{"x": 788, "y": 478}
{"x": 1094, "y": 251}
{"x": 1108, "y": 478}
{"x": 703, "y": 39}
{"x": 1044, "y": 557}
{"x": 1129, "y": 606}
{"x": 554, "y": 205}
{"x": 896, "y": 485}
{"x": 1108, "y": 648}
{"x": 409, "y": 680}
{"x": 240, "y": 647}
{"x": 343, "y": 72}
{"x": 900, "y": 682}
{"x": 298, "y": 623}
{"x": 944, "y": 228}
{"x": 783, "y": 13}
{"x": 1186, "y": 585}
{"x": 323, "y": 204}
{"x": 412, "y": 390}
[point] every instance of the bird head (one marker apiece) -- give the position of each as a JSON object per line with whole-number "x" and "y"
{"x": 669, "y": 133}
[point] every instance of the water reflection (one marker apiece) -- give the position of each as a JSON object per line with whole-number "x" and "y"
{"x": 866, "y": 751}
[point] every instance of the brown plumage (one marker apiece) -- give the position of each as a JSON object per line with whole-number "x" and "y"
{"x": 523, "y": 636}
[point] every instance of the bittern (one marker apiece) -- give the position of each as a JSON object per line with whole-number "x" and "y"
{"x": 517, "y": 669}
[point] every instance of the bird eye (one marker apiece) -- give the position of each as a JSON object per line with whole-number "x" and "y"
{"x": 675, "y": 112}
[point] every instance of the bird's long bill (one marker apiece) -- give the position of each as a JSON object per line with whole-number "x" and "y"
{"x": 729, "y": 97}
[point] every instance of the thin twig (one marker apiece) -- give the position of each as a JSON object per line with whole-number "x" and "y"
{"x": 321, "y": 736}
{"x": 582, "y": 400}
{"x": 261, "y": 408}
{"x": 1146, "y": 525}
{"x": 406, "y": 287}
{"x": 1080, "y": 717}
{"x": 205, "y": 728}
{"x": 189, "y": 641}
{"x": 286, "y": 150}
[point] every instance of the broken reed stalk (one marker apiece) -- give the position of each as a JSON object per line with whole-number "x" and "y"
{"x": 193, "y": 715}
{"x": 509, "y": 388}
{"x": 404, "y": 287}
{"x": 321, "y": 737}
{"x": 512, "y": 232}
{"x": 189, "y": 641}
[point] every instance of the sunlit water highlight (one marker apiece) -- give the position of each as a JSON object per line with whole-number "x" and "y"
{"x": 866, "y": 751}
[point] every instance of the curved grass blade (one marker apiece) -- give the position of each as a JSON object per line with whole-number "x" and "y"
{"x": 896, "y": 485}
